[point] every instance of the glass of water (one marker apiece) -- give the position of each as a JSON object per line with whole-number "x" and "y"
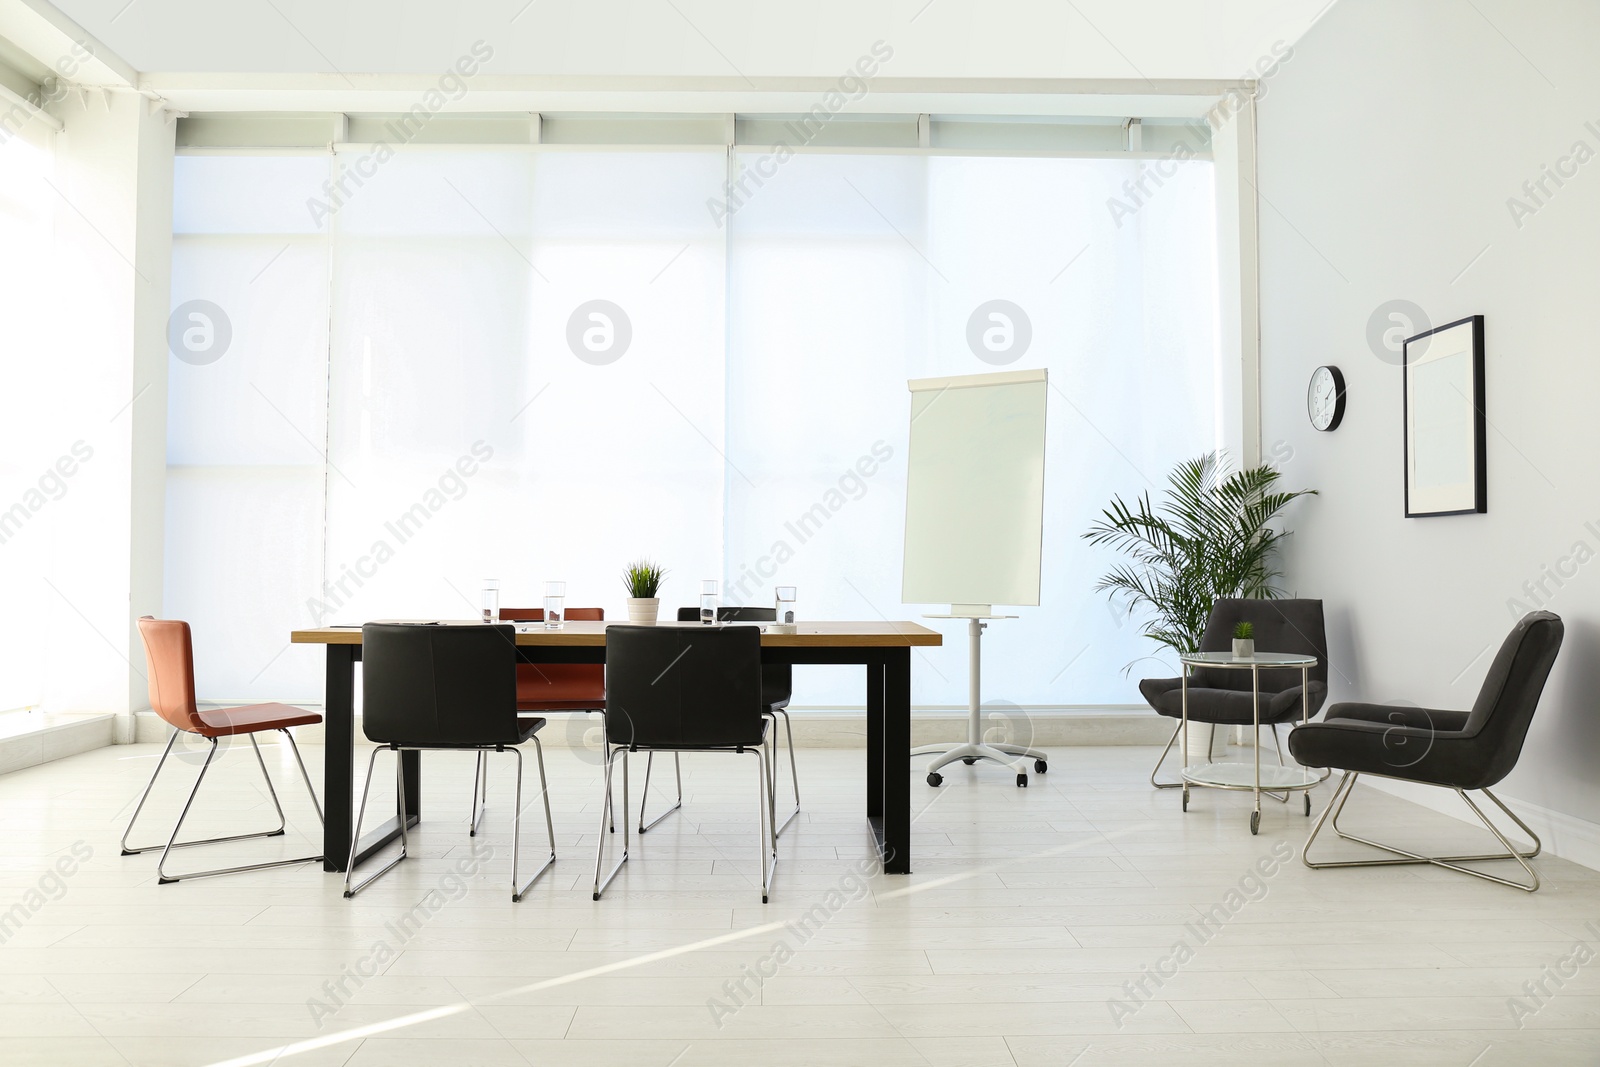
{"x": 783, "y": 600}
{"x": 708, "y": 601}
{"x": 491, "y": 600}
{"x": 555, "y": 595}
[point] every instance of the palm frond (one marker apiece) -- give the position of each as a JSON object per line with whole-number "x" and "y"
{"x": 1210, "y": 537}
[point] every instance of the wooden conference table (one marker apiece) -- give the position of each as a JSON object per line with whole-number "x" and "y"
{"x": 884, "y": 648}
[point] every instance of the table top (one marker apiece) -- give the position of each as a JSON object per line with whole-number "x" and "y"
{"x": 574, "y": 632}
{"x": 1260, "y": 659}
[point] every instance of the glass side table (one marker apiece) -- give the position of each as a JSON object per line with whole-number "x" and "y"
{"x": 1243, "y": 776}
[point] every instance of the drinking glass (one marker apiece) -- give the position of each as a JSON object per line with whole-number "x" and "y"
{"x": 555, "y": 593}
{"x": 783, "y": 600}
{"x": 491, "y": 600}
{"x": 708, "y": 601}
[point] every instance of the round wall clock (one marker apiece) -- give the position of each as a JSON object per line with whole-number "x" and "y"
{"x": 1325, "y": 398}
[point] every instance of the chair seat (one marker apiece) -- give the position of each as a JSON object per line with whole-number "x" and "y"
{"x": 251, "y": 719}
{"x": 527, "y": 726}
{"x": 525, "y": 706}
{"x": 1414, "y": 744}
{"x": 1228, "y": 707}
{"x": 755, "y": 741}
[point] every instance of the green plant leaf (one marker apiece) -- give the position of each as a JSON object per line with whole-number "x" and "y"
{"x": 1209, "y": 537}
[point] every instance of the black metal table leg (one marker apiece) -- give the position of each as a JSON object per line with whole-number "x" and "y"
{"x": 896, "y": 745}
{"x": 875, "y": 751}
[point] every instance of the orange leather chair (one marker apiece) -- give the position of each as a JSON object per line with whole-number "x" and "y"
{"x": 545, "y": 687}
{"x": 169, "y": 655}
{"x": 559, "y": 686}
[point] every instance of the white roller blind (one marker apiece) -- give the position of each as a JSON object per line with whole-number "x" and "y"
{"x": 246, "y": 419}
{"x": 482, "y": 416}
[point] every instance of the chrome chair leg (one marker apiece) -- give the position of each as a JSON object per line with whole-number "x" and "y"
{"x": 1341, "y": 796}
{"x": 294, "y": 748}
{"x": 644, "y": 794}
{"x": 766, "y": 835}
{"x": 163, "y": 878}
{"x": 794, "y": 774}
{"x": 361, "y": 812}
{"x": 127, "y": 851}
{"x": 605, "y": 818}
{"x": 480, "y": 776}
{"x": 516, "y": 825}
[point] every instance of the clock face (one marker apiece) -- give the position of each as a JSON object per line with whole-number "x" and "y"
{"x": 1325, "y": 398}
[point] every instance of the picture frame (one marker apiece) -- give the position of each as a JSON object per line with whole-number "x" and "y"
{"x": 1444, "y": 426}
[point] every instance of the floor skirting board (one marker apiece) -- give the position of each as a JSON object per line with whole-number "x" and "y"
{"x": 30, "y": 739}
{"x": 847, "y": 729}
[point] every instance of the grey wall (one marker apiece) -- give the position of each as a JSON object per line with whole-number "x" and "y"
{"x": 1388, "y": 151}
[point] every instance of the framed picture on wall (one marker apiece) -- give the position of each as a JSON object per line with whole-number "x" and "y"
{"x": 1442, "y": 388}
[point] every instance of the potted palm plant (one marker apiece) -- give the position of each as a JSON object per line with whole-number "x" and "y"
{"x": 642, "y": 579}
{"x": 1210, "y": 537}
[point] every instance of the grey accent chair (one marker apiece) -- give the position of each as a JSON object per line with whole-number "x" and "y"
{"x": 1459, "y": 750}
{"x": 1224, "y": 698}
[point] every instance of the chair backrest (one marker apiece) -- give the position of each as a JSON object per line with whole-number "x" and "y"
{"x": 1510, "y": 692}
{"x": 732, "y": 613}
{"x": 439, "y": 683}
{"x": 537, "y": 614}
{"x": 559, "y": 681}
{"x": 169, "y": 657}
{"x": 1280, "y": 626}
{"x": 777, "y": 679}
{"x": 669, "y": 686}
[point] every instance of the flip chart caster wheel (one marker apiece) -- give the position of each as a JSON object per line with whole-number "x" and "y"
{"x": 1185, "y": 798}
{"x": 1255, "y": 822}
{"x": 1308, "y": 805}
{"x": 1040, "y": 766}
{"x": 969, "y": 760}
{"x": 1022, "y": 781}
{"x": 935, "y": 779}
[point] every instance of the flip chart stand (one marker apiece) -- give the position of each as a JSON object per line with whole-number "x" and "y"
{"x": 975, "y": 748}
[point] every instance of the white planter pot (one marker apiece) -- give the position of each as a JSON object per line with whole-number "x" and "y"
{"x": 1243, "y": 649}
{"x": 643, "y": 610}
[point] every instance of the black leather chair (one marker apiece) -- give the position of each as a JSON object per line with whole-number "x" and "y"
{"x": 777, "y": 687}
{"x": 1459, "y": 750}
{"x": 444, "y": 686}
{"x": 1224, "y": 697}
{"x": 683, "y": 689}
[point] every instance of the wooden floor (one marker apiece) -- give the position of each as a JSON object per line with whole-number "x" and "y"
{"x": 1028, "y": 934}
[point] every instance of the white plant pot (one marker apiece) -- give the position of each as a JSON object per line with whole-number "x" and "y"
{"x": 1244, "y": 649}
{"x": 643, "y": 610}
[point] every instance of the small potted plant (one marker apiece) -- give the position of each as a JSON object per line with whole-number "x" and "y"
{"x": 643, "y": 581}
{"x": 1244, "y": 640}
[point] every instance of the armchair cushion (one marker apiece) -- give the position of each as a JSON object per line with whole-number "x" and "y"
{"x": 1413, "y": 752}
{"x": 1228, "y": 707}
{"x": 1399, "y": 715}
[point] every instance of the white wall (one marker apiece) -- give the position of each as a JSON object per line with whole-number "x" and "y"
{"x": 1388, "y": 151}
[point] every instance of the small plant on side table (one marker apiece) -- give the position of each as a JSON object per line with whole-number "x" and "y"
{"x": 1244, "y": 640}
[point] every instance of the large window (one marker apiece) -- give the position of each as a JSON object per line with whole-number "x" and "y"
{"x": 540, "y": 363}
{"x": 32, "y": 437}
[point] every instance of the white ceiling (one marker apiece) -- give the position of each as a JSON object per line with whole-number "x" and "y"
{"x": 942, "y": 38}
{"x": 640, "y": 48}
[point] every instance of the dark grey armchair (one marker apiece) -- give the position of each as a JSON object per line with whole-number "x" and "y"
{"x": 1224, "y": 698}
{"x": 1459, "y": 750}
